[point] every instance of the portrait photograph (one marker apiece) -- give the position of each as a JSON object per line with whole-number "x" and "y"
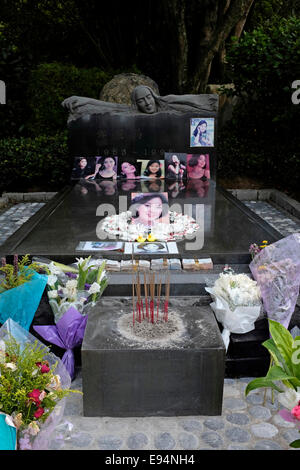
{"x": 150, "y": 247}
{"x": 198, "y": 166}
{"x": 100, "y": 246}
{"x": 149, "y": 209}
{"x": 152, "y": 169}
{"x": 128, "y": 170}
{"x": 105, "y": 168}
{"x": 175, "y": 166}
{"x": 202, "y": 132}
{"x": 82, "y": 167}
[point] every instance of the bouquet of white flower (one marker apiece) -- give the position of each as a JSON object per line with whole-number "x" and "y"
{"x": 71, "y": 290}
{"x": 237, "y": 303}
{"x": 74, "y": 286}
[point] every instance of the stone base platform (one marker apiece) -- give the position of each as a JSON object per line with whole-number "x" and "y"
{"x": 123, "y": 376}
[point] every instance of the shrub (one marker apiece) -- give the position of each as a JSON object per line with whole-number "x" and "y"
{"x": 42, "y": 161}
{"x": 263, "y": 64}
{"x": 262, "y": 139}
{"x": 50, "y": 84}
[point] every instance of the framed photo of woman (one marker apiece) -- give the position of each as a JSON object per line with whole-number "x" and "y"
{"x": 198, "y": 166}
{"x": 152, "y": 169}
{"x": 202, "y": 132}
{"x": 175, "y": 166}
{"x": 149, "y": 209}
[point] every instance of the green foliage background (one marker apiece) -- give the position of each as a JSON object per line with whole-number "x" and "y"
{"x": 47, "y": 54}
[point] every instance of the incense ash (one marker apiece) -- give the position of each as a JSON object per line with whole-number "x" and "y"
{"x": 160, "y": 332}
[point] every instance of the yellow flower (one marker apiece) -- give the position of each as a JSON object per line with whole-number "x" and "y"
{"x": 151, "y": 238}
{"x": 140, "y": 238}
{"x": 18, "y": 420}
{"x": 33, "y": 428}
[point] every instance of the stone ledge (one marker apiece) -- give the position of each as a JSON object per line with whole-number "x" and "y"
{"x": 3, "y": 202}
{"x": 273, "y": 195}
{"x": 27, "y": 197}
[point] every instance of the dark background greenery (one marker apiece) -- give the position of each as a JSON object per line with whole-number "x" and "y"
{"x": 51, "y": 50}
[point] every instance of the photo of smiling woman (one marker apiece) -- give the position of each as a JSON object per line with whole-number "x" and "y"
{"x": 105, "y": 167}
{"x": 149, "y": 209}
{"x": 175, "y": 166}
{"x": 198, "y": 167}
{"x": 152, "y": 169}
{"x": 130, "y": 171}
{"x": 202, "y": 132}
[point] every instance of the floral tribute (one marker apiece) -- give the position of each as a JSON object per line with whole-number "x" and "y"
{"x": 284, "y": 373}
{"x": 237, "y": 302}
{"x": 21, "y": 289}
{"x": 72, "y": 290}
{"x": 32, "y": 384}
{"x": 76, "y": 285}
{"x": 120, "y": 225}
{"x": 276, "y": 268}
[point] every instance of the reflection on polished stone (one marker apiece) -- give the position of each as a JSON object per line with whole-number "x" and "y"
{"x": 228, "y": 227}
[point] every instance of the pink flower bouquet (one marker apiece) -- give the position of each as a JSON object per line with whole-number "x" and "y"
{"x": 34, "y": 385}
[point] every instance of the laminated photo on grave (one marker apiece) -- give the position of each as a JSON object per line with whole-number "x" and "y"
{"x": 152, "y": 169}
{"x": 150, "y": 248}
{"x": 105, "y": 168}
{"x": 128, "y": 170}
{"x": 82, "y": 167}
{"x": 175, "y": 166}
{"x": 100, "y": 246}
{"x": 202, "y": 132}
{"x": 149, "y": 209}
{"x": 198, "y": 166}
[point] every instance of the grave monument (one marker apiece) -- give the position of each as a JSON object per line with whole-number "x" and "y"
{"x": 151, "y": 129}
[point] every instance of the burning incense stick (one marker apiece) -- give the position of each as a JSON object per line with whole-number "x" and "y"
{"x": 158, "y": 298}
{"x": 146, "y": 295}
{"x": 133, "y": 312}
{"x": 152, "y": 294}
{"x": 167, "y": 295}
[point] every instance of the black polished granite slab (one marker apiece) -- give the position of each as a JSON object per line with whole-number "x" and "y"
{"x": 138, "y": 136}
{"x": 55, "y": 231}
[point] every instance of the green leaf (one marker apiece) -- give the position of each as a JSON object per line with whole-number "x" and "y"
{"x": 296, "y": 357}
{"x": 295, "y": 444}
{"x": 277, "y": 373}
{"x": 271, "y": 347}
{"x": 283, "y": 341}
{"x": 261, "y": 382}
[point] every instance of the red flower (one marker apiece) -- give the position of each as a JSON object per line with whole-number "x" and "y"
{"x": 34, "y": 396}
{"x": 296, "y": 412}
{"x": 39, "y": 412}
{"x": 43, "y": 367}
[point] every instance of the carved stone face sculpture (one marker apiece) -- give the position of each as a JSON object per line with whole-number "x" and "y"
{"x": 144, "y": 100}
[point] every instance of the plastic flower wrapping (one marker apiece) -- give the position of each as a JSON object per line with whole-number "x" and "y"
{"x": 72, "y": 290}
{"x": 21, "y": 289}
{"x": 237, "y": 303}
{"x": 76, "y": 285}
{"x": 276, "y": 269}
{"x": 34, "y": 385}
{"x": 120, "y": 225}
